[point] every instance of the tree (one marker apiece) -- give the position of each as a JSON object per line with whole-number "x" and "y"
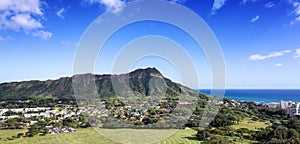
{"x": 33, "y": 130}
{"x": 20, "y": 135}
{"x": 44, "y": 131}
{"x": 58, "y": 125}
{"x": 70, "y": 122}
{"x": 294, "y": 123}
{"x": 9, "y": 113}
{"x": 83, "y": 120}
{"x": 203, "y": 134}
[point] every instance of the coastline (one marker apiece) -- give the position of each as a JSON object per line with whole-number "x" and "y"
{"x": 264, "y": 96}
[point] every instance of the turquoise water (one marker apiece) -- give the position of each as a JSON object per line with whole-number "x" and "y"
{"x": 261, "y": 95}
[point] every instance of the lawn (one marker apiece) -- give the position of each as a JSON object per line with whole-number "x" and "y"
{"x": 83, "y": 136}
{"x": 182, "y": 137}
{"x": 251, "y": 125}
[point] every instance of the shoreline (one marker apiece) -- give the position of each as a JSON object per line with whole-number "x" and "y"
{"x": 264, "y": 96}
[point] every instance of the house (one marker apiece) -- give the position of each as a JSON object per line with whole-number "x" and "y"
{"x": 30, "y": 115}
{"x": 91, "y": 105}
{"x": 274, "y": 105}
{"x": 33, "y": 122}
{"x": 2, "y": 111}
{"x": 181, "y": 102}
{"x": 163, "y": 101}
{"x": 9, "y": 117}
{"x": 218, "y": 102}
{"x": 61, "y": 130}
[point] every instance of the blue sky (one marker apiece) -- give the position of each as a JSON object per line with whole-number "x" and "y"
{"x": 259, "y": 39}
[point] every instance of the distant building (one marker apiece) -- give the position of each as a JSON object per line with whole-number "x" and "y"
{"x": 60, "y": 130}
{"x": 295, "y": 110}
{"x": 163, "y": 101}
{"x": 298, "y": 109}
{"x": 92, "y": 105}
{"x": 286, "y": 104}
{"x": 292, "y": 108}
{"x": 8, "y": 117}
{"x": 218, "y": 102}
{"x": 181, "y": 102}
{"x": 274, "y": 105}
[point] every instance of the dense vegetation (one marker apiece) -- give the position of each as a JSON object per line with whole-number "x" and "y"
{"x": 279, "y": 127}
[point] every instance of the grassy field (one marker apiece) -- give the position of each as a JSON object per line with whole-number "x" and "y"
{"x": 251, "y": 125}
{"x": 83, "y": 136}
{"x": 182, "y": 137}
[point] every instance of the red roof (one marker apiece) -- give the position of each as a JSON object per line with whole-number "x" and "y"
{"x": 163, "y": 101}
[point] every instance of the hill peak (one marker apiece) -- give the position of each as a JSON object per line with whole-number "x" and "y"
{"x": 140, "y": 73}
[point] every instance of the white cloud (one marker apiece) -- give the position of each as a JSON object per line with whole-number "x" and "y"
{"x": 178, "y": 1}
{"x": 217, "y": 5}
{"x": 116, "y": 6}
{"x": 243, "y": 2}
{"x": 111, "y": 5}
{"x": 21, "y": 6}
{"x": 42, "y": 34}
{"x": 255, "y": 19}
{"x": 297, "y": 7}
{"x": 23, "y": 21}
{"x": 271, "y": 55}
{"x": 278, "y": 65}
{"x": 21, "y": 15}
{"x": 60, "y": 13}
{"x": 296, "y": 13}
{"x": 297, "y": 53}
{"x": 294, "y": 21}
{"x": 270, "y": 4}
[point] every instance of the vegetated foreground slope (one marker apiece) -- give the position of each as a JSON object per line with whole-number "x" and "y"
{"x": 88, "y": 136}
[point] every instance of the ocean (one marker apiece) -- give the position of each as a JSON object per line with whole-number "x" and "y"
{"x": 261, "y": 95}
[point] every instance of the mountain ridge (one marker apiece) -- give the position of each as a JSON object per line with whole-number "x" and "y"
{"x": 139, "y": 82}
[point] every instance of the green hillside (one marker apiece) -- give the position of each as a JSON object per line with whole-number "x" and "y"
{"x": 139, "y": 81}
